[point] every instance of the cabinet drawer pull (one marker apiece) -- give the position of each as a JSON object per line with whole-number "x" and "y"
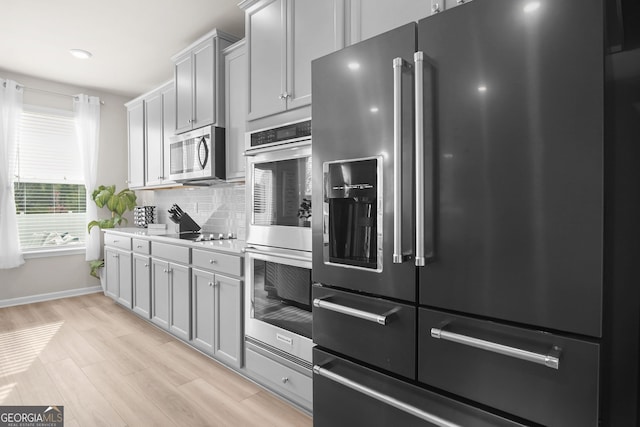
{"x": 146, "y": 265}
{"x": 382, "y": 319}
{"x": 383, "y": 398}
{"x": 213, "y": 261}
{"x": 210, "y": 283}
{"x": 285, "y": 380}
{"x": 550, "y": 360}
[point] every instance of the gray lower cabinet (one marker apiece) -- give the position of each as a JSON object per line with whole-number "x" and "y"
{"x": 118, "y": 275}
{"x": 179, "y": 301}
{"x": 170, "y": 297}
{"x": 160, "y": 293}
{"x": 142, "y": 285}
{"x": 217, "y": 314}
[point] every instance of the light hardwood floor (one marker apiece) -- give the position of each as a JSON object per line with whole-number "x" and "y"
{"x": 109, "y": 367}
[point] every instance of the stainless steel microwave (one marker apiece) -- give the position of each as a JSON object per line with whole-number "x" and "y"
{"x": 198, "y": 155}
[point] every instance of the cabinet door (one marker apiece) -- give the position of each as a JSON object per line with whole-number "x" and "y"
{"x": 153, "y": 139}
{"x": 202, "y": 296}
{"x": 142, "y": 285}
{"x": 204, "y": 89}
{"x": 168, "y": 127}
{"x": 160, "y": 293}
{"x": 135, "y": 121}
{"x": 111, "y": 269}
{"x": 315, "y": 28}
{"x": 184, "y": 102}
{"x": 180, "y": 301}
{"x": 373, "y": 17}
{"x": 266, "y": 27}
{"x": 236, "y": 106}
{"x": 125, "y": 283}
{"x": 437, "y": 6}
{"x": 228, "y": 320}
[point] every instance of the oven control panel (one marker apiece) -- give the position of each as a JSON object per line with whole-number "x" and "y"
{"x": 286, "y": 133}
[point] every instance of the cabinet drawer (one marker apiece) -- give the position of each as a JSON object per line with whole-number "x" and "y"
{"x": 280, "y": 378}
{"x": 141, "y": 246}
{"x": 170, "y": 252}
{"x": 338, "y": 325}
{"x": 117, "y": 241}
{"x": 483, "y": 361}
{"x": 210, "y": 260}
{"x": 340, "y": 385}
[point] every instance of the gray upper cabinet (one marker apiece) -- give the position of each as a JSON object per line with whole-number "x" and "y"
{"x": 199, "y": 82}
{"x": 151, "y": 123}
{"x": 235, "y": 66}
{"x": 369, "y": 18}
{"x": 168, "y": 93}
{"x": 438, "y": 6}
{"x": 153, "y": 142}
{"x": 283, "y": 36}
{"x": 135, "y": 126}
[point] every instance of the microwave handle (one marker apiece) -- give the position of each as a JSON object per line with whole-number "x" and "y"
{"x": 203, "y": 144}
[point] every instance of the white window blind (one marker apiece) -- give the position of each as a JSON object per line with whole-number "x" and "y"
{"x": 49, "y": 188}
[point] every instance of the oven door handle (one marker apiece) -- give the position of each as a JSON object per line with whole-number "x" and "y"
{"x": 383, "y": 398}
{"x": 280, "y": 147}
{"x": 291, "y": 256}
{"x": 381, "y": 319}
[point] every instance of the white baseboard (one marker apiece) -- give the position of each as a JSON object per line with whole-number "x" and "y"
{"x": 50, "y": 296}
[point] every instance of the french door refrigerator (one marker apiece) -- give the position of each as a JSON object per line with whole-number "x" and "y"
{"x": 467, "y": 261}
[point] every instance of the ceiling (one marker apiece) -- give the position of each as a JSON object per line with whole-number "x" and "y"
{"x": 132, "y": 41}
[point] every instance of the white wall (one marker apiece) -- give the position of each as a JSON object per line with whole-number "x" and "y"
{"x": 40, "y": 276}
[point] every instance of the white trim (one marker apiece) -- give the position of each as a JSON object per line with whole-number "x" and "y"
{"x": 47, "y": 253}
{"x": 50, "y": 296}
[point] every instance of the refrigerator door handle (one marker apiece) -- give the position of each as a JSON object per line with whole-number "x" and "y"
{"x": 424, "y": 215}
{"x": 381, "y": 319}
{"x": 550, "y": 360}
{"x": 383, "y": 398}
{"x": 397, "y": 160}
{"x": 418, "y": 58}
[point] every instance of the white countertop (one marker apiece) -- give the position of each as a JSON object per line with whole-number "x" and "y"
{"x": 233, "y": 246}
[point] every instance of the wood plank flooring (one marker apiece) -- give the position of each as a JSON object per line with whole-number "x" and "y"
{"x": 110, "y": 368}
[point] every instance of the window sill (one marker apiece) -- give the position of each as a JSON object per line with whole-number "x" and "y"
{"x": 46, "y": 253}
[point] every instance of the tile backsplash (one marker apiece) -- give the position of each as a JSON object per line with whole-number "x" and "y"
{"x": 217, "y": 209}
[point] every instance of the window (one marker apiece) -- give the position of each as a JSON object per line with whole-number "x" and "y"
{"x": 49, "y": 189}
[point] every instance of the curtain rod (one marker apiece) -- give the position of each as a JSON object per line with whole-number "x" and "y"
{"x": 46, "y": 91}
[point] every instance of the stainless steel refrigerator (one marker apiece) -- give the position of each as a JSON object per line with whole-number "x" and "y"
{"x": 465, "y": 252}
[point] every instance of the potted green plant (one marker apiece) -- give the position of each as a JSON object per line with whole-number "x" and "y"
{"x": 118, "y": 204}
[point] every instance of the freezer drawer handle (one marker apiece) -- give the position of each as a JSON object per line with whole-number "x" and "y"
{"x": 382, "y": 319}
{"x": 388, "y": 400}
{"x": 551, "y": 360}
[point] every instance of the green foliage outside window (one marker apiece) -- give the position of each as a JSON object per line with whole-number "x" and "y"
{"x": 43, "y": 198}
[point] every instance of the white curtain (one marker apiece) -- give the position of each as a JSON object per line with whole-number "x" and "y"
{"x": 10, "y": 112}
{"x": 86, "y": 111}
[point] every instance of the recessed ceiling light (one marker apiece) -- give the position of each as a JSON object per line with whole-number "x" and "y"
{"x": 81, "y": 54}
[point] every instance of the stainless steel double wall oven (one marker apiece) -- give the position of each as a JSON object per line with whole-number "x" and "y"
{"x": 278, "y": 255}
